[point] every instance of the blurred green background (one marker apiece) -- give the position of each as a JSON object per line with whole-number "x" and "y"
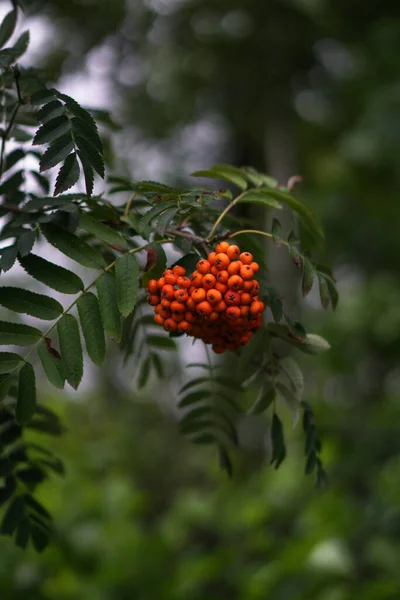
{"x": 308, "y": 87}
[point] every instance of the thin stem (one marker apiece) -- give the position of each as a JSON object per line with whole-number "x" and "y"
{"x": 7, "y": 132}
{"x": 87, "y": 288}
{"x": 222, "y": 215}
{"x": 192, "y": 237}
{"x": 256, "y": 231}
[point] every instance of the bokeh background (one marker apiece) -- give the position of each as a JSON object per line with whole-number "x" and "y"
{"x": 308, "y": 87}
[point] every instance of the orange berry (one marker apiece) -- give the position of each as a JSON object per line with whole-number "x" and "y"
{"x": 197, "y": 279}
{"x": 185, "y": 327}
{"x": 170, "y": 277}
{"x": 245, "y": 298}
{"x": 220, "y": 306}
{"x": 232, "y": 298}
{"x": 246, "y": 258}
{"x": 218, "y": 349}
{"x": 233, "y": 312}
{"x": 255, "y": 266}
{"x": 234, "y": 267}
{"x": 222, "y": 260}
{"x": 190, "y": 304}
{"x": 235, "y": 282}
{"x": 199, "y": 295}
{"x": 256, "y": 308}
{"x": 158, "y": 308}
{"x": 214, "y": 296}
{"x": 165, "y": 303}
{"x": 203, "y": 266}
{"x": 189, "y": 316}
{"x": 161, "y": 282}
{"x": 152, "y": 286}
{"x": 153, "y": 300}
{"x": 177, "y": 307}
{"x": 204, "y": 308}
{"x": 214, "y": 270}
{"x": 211, "y": 258}
{"x": 178, "y": 317}
{"x": 179, "y": 270}
{"x": 222, "y": 276}
{"x": 221, "y": 287}
{"x": 248, "y": 285}
{"x": 170, "y": 325}
{"x": 255, "y": 289}
{"x": 246, "y": 272}
{"x": 159, "y": 320}
{"x": 168, "y": 292}
{"x": 233, "y": 252}
{"x": 244, "y": 310}
{"x": 164, "y": 313}
{"x": 181, "y": 295}
{"x": 222, "y": 247}
{"x": 208, "y": 281}
{"x": 213, "y": 316}
{"x": 183, "y": 282}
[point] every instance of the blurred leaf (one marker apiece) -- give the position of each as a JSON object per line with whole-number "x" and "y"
{"x": 26, "y": 400}
{"x": 278, "y": 442}
{"x": 291, "y": 401}
{"x": 7, "y": 27}
{"x": 70, "y": 349}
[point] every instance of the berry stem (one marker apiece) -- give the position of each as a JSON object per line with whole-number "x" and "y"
{"x": 222, "y": 215}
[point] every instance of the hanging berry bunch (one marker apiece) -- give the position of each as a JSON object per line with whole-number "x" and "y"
{"x": 218, "y": 303}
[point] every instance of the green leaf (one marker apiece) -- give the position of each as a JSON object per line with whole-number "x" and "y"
{"x": 127, "y": 279}
{"x": 26, "y": 399}
{"x": 57, "y": 152}
{"x": 226, "y": 173}
{"x": 315, "y": 344}
{"x": 292, "y": 402}
{"x": 275, "y": 230}
{"x": 21, "y": 45}
{"x": 18, "y": 334}
{"x": 145, "y": 370}
{"x": 258, "y": 197}
{"x": 52, "y": 366}
{"x": 70, "y": 349}
{"x": 40, "y": 537}
{"x": 278, "y": 442}
{"x": 88, "y": 173}
{"x": 275, "y": 303}
{"x": 52, "y": 275}
{"x": 323, "y": 291}
{"x": 294, "y": 374}
{"x": 52, "y": 130}
{"x": 333, "y": 294}
{"x": 73, "y": 246}
{"x": 23, "y": 533}
{"x": 295, "y": 255}
{"x": 14, "y": 157}
{"x": 85, "y": 126}
{"x": 107, "y": 293}
{"x": 308, "y": 277}
{"x": 152, "y": 213}
{"x": 101, "y": 231}
{"x": 194, "y": 383}
{"x": 8, "y": 257}
{"x": 41, "y": 96}
{"x": 7, "y": 27}
{"x": 165, "y": 219}
{"x": 49, "y": 111}
{"x": 26, "y": 242}
{"x": 162, "y": 342}
{"x": 91, "y": 155}
{"x": 5, "y": 384}
{"x": 9, "y": 361}
{"x": 194, "y": 397}
{"x": 30, "y": 303}
{"x": 264, "y": 399}
{"x": 68, "y": 175}
{"x": 13, "y": 515}
{"x": 92, "y": 327}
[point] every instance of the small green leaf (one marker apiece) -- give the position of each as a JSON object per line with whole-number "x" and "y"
{"x": 275, "y": 303}
{"x": 162, "y": 342}
{"x": 30, "y": 303}
{"x": 308, "y": 277}
{"x": 70, "y": 349}
{"x": 258, "y": 197}
{"x": 107, "y": 293}
{"x": 52, "y": 275}
{"x": 144, "y": 373}
{"x": 91, "y": 155}
{"x": 40, "y": 537}
{"x": 18, "y": 334}
{"x": 315, "y": 344}
{"x": 7, "y": 27}
{"x": 57, "y": 152}
{"x": 92, "y": 327}
{"x": 294, "y": 374}
{"x": 8, "y": 257}
{"x": 73, "y": 246}
{"x": 52, "y": 366}
{"x": 127, "y": 279}
{"x": 295, "y": 255}
{"x": 52, "y": 130}
{"x": 49, "y": 111}
{"x": 226, "y": 173}
{"x": 194, "y": 397}
{"x": 265, "y": 398}
{"x": 21, "y": 44}
{"x": 26, "y": 242}
{"x": 101, "y": 231}
{"x": 13, "y": 515}
{"x": 165, "y": 219}
{"x": 9, "y": 361}
{"x": 26, "y": 399}
{"x": 88, "y": 173}
{"x": 152, "y": 213}
{"x": 278, "y": 442}
{"x": 68, "y": 175}
{"x": 292, "y": 402}
{"x": 41, "y": 96}
{"x": 275, "y": 230}
{"x": 23, "y": 533}
{"x": 333, "y": 294}
{"x": 323, "y": 291}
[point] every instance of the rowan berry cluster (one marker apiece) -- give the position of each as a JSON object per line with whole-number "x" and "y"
{"x": 219, "y": 303}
